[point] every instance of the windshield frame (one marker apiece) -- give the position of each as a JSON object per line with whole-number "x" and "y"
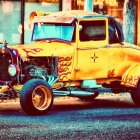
{"x": 58, "y": 39}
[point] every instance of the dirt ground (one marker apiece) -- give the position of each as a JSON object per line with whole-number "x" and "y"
{"x": 14, "y": 104}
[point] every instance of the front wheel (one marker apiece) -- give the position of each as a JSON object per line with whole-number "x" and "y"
{"x": 36, "y": 97}
{"x": 135, "y": 95}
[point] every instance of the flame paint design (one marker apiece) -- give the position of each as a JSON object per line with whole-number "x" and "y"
{"x": 130, "y": 80}
{"x": 64, "y": 64}
{"x": 111, "y": 73}
{"x": 32, "y": 51}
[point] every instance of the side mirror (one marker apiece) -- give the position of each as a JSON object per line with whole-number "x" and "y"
{"x": 80, "y": 27}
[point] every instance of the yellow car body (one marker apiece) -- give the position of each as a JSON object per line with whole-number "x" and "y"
{"x": 97, "y": 60}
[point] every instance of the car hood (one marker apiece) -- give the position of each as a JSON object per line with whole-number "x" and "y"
{"x": 44, "y": 48}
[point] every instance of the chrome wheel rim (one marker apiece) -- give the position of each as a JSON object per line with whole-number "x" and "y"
{"x": 41, "y": 97}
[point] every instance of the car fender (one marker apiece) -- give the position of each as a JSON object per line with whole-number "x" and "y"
{"x": 131, "y": 76}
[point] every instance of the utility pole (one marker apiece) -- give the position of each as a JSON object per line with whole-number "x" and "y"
{"x": 66, "y": 5}
{"x": 88, "y": 5}
{"x": 22, "y": 20}
{"x": 60, "y": 5}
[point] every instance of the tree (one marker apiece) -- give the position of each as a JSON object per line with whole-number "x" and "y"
{"x": 129, "y": 20}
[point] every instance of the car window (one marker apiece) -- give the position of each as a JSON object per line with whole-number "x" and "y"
{"x": 92, "y": 30}
{"x": 53, "y": 31}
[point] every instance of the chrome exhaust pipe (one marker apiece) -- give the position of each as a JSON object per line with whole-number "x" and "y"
{"x": 80, "y": 92}
{"x": 73, "y": 93}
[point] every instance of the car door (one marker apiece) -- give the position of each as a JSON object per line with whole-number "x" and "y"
{"x": 92, "y": 50}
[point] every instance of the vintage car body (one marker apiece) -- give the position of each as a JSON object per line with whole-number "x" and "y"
{"x": 74, "y": 53}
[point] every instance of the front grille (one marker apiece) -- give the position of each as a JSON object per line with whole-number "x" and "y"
{"x": 5, "y": 61}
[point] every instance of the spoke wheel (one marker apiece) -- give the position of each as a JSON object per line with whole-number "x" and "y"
{"x": 36, "y": 97}
{"x": 41, "y": 97}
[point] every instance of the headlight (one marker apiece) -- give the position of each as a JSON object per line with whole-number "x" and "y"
{"x": 13, "y": 70}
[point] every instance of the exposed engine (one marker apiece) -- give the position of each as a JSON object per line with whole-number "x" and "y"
{"x": 39, "y": 67}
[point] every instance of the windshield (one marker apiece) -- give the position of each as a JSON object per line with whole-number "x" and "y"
{"x": 47, "y": 31}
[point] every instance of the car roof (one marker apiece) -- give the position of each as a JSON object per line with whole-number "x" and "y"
{"x": 77, "y": 14}
{"x": 68, "y": 16}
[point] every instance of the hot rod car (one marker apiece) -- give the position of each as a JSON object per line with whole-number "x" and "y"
{"x": 73, "y": 53}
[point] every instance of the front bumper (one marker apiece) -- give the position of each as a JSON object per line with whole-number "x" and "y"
{"x": 9, "y": 91}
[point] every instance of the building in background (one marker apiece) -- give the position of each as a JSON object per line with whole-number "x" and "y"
{"x": 36, "y": 5}
{"x": 125, "y": 11}
{"x": 10, "y": 19}
{"x": 15, "y": 13}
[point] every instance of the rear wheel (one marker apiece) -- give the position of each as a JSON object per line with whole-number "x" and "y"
{"x": 135, "y": 95}
{"x": 36, "y": 97}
